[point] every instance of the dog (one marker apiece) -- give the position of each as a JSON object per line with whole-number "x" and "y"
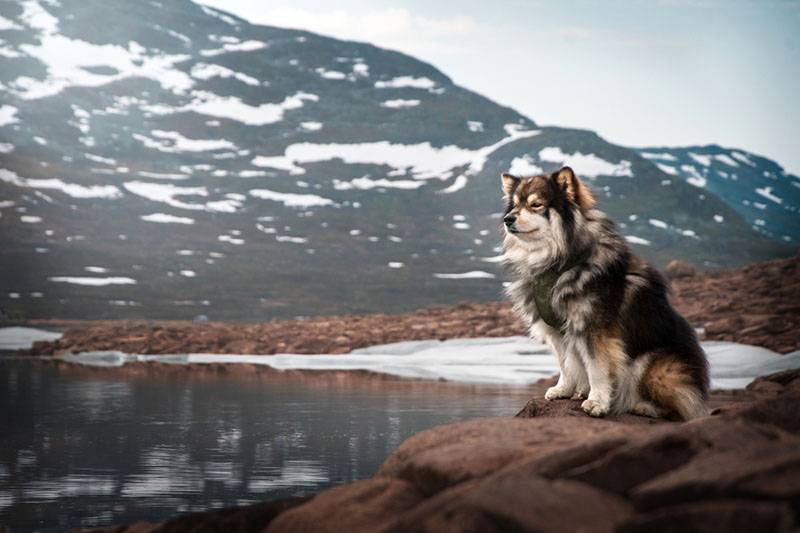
{"x": 620, "y": 344}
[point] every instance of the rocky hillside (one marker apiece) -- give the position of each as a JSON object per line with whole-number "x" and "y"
{"x": 754, "y": 186}
{"x": 178, "y": 161}
{"x": 758, "y": 304}
{"x": 555, "y": 469}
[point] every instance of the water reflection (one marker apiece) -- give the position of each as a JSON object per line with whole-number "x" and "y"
{"x": 84, "y": 447}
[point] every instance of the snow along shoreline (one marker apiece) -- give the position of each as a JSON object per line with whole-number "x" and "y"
{"x": 511, "y": 361}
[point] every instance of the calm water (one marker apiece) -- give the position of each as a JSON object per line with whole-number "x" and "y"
{"x": 82, "y": 447}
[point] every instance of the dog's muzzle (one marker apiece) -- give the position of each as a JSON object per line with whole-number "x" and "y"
{"x": 509, "y": 221}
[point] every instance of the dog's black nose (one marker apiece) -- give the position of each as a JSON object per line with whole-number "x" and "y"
{"x": 509, "y": 219}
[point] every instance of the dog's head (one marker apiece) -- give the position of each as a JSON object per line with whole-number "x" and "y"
{"x": 539, "y": 207}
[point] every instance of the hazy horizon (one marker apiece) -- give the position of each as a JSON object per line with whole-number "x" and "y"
{"x": 641, "y": 73}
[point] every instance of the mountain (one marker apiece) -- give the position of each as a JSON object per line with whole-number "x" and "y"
{"x": 168, "y": 160}
{"x": 756, "y": 187}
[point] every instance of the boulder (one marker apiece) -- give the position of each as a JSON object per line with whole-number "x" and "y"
{"x": 679, "y": 269}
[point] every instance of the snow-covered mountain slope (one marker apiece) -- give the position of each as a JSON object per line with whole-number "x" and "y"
{"x": 163, "y": 159}
{"x": 756, "y": 187}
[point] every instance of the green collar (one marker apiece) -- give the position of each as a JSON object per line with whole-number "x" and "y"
{"x": 543, "y": 285}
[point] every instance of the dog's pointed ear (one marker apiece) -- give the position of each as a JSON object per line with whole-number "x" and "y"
{"x": 509, "y": 182}
{"x": 574, "y": 189}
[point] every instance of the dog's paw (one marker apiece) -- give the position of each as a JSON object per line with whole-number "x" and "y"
{"x": 557, "y": 393}
{"x": 647, "y": 409}
{"x": 594, "y": 408}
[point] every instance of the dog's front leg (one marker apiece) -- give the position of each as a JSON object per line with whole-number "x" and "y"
{"x": 570, "y": 368}
{"x": 602, "y": 361}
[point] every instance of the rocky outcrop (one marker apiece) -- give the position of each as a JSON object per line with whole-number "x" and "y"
{"x": 555, "y": 469}
{"x": 758, "y": 304}
{"x": 679, "y": 269}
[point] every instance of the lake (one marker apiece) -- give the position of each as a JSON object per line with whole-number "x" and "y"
{"x": 83, "y": 446}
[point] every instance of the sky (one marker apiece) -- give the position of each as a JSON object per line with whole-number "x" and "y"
{"x": 638, "y": 72}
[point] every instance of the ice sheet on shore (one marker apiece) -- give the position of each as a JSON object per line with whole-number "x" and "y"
{"x": 504, "y": 360}
{"x": 17, "y": 338}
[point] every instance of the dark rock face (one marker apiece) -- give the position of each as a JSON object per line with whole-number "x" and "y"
{"x": 563, "y": 471}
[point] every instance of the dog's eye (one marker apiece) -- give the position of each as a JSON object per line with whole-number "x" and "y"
{"x": 536, "y": 205}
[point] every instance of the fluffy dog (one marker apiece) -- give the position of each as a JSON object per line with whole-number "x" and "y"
{"x": 620, "y": 344}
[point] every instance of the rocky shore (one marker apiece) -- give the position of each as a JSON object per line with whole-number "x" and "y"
{"x": 552, "y": 468}
{"x": 758, "y": 304}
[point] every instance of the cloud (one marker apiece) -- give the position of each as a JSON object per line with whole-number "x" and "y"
{"x": 613, "y": 37}
{"x": 394, "y": 27}
{"x": 373, "y": 26}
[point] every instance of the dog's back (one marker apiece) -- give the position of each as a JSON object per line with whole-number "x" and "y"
{"x": 676, "y": 375}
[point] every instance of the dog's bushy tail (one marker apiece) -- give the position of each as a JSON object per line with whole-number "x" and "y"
{"x": 673, "y": 386}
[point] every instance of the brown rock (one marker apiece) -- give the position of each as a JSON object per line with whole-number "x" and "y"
{"x": 763, "y": 471}
{"x": 679, "y": 269}
{"x": 360, "y": 506}
{"x": 538, "y": 407}
{"x": 731, "y": 516}
{"x": 516, "y": 501}
{"x": 445, "y": 456}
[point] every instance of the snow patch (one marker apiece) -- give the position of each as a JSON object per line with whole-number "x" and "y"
{"x": 206, "y": 71}
{"x": 662, "y": 156}
{"x": 473, "y": 274}
{"x": 66, "y": 59}
{"x": 174, "y": 142}
{"x": 8, "y": 115}
{"x": 586, "y": 165}
{"x": 743, "y": 158}
{"x": 501, "y": 360}
{"x": 667, "y": 169}
{"x": 292, "y": 199}
{"x": 767, "y": 193}
{"x": 244, "y": 46}
{"x": 400, "y": 103}
{"x": 165, "y": 218}
{"x": 71, "y": 189}
{"x": 637, "y": 240}
{"x": 98, "y": 159}
{"x": 20, "y": 338}
{"x": 524, "y": 166}
{"x": 331, "y": 74}
{"x": 701, "y": 159}
{"x": 726, "y": 159}
{"x": 163, "y": 176}
{"x": 406, "y": 82}
{"x": 422, "y": 160}
{"x": 94, "y": 282}
{"x": 231, "y": 107}
{"x": 365, "y": 183}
